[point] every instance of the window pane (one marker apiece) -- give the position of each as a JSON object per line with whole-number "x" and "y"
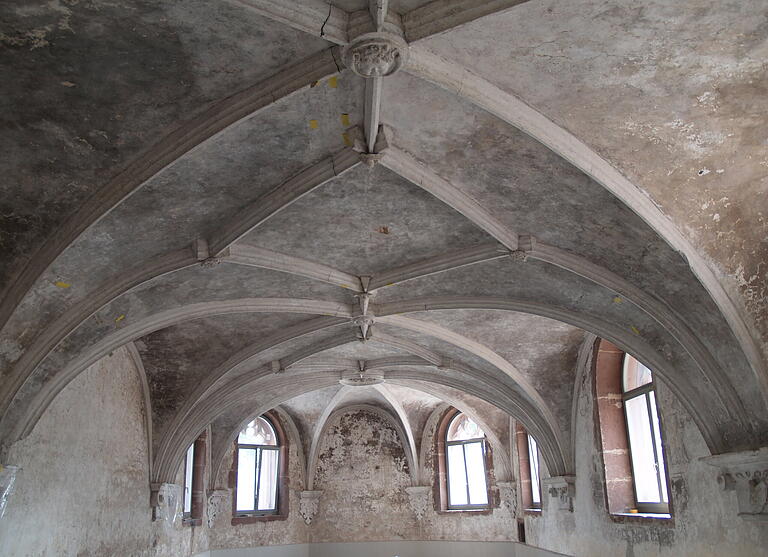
{"x": 457, "y": 476}
{"x": 641, "y": 447}
{"x": 189, "y": 463}
{"x": 657, "y": 442}
{"x": 463, "y": 428}
{"x": 246, "y": 479}
{"x": 533, "y": 456}
{"x": 478, "y": 492}
{"x": 635, "y": 374}
{"x": 258, "y": 432}
{"x": 268, "y": 480}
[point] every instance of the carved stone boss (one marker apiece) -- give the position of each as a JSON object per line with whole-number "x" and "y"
{"x": 376, "y": 54}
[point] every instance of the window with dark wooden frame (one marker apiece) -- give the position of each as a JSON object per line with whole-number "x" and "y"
{"x": 258, "y": 468}
{"x": 644, "y": 434}
{"x": 465, "y": 455}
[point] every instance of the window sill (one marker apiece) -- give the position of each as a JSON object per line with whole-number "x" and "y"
{"x": 476, "y": 512}
{"x": 257, "y": 518}
{"x": 532, "y": 512}
{"x": 643, "y": 518}
{"x": 191, "y": 521}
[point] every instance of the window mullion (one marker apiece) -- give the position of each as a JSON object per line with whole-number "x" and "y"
{"x": 653, "y": 445}
{"x": 257, "y": 480}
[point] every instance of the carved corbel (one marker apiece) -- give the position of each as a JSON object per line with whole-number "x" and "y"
{"x": 165, "y": 500}
{"x": 746, "y": 474}
{"x": 508, "y": 494}
{"x": 561, "y": 490}
{"x": 418, "y": 499}
{"x": 309, "y": 502}
{"x": 218, "y": 500}
{"x": 7, "y": 484}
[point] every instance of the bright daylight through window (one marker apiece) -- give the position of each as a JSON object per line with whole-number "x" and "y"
{"x": 644, "y": 432}
{"x": 258, "y": 456}
{"x": 465, "y": 452}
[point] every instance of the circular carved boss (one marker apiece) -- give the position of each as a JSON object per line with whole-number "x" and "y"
{"x": 375, "y": 55}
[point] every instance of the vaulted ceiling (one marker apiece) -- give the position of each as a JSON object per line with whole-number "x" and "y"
{"x": 221, "y": 185}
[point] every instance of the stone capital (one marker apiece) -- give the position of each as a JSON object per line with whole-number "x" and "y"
{"x": 746, "y": 474}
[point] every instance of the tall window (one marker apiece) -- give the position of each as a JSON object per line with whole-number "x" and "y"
{"x": 189, "y": 468}
{"x": 194, "y": 482}
{"x": 258, "y": 461}
{"x": 533, "y": 459}
{"x": 630, "y": 434}
{"x": 530, "y": 476}
{"x": 644, "y": 433}
{"x": 465, "y": 457}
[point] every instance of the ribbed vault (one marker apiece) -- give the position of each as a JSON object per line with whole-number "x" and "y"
{"x": 291, "y": 223}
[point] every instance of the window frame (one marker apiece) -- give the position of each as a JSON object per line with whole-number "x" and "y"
{"x": 463, "y": 443}
{"x": 440, "y": 488}
{"x": 194, "y": 517}
{"x": 646, "y": 507}
{"x": 525, "y": 477}
{"x": 281, "y": 497}
{"x": 189, "y": 474}
{"x": 536, "y": 506}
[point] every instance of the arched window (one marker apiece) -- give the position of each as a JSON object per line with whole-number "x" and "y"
{"x": 465, "y": 458}
{"x": 644, "y": 433}
{"x": 630, "y": 434}
{"x": 258, "y": 469}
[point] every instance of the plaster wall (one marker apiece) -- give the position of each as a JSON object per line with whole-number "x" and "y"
{"x": 363, "y": 472}
{"x": 84, "y": 485}
{"x": 704, "y": 524}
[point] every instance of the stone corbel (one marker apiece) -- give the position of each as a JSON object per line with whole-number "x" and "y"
{"x": 308, "y": 505}
{"x": 746, "y": 474}
{"x": 561, "y": 490}
{"x": 418, "y": 499}
{"x": 508, "y": 494}
{"x": 7, "y": 483}
{"x": 217, "y": 502}
{"x": 165, "y": 500}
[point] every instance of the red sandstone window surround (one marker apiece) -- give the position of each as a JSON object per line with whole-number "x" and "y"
{"x": 528, "y": 459}
{"x": 194, "y": 481}
{"x": 630, "y": 435}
